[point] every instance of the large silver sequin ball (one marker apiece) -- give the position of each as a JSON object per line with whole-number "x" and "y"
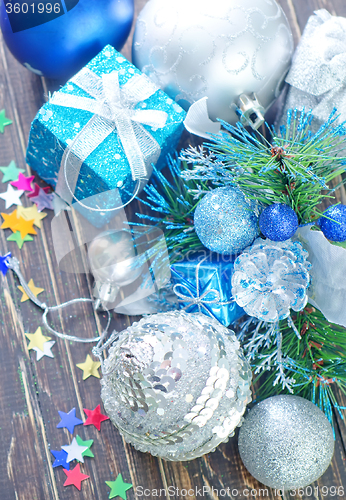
{"x": 177, "y": 384}
{"x": 286, "y": 442}
{"x": 220, "y": 49}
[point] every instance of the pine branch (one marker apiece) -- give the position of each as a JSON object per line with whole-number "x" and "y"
{"x": 293, "y": 166}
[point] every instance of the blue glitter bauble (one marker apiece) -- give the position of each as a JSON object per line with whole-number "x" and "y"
{"x": 334, "y": 230}
{"x": 278, "y": 222}
{"x": 225, "y": 222}
{"x": 57, "y": 39}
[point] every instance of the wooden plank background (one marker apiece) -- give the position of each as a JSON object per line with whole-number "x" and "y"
{"x": 31, "y": 392}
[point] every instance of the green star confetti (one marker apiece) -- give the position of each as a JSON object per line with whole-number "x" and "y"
{"x": 18, "y": 239}
{"x": 4, "y": 121}
{"x": 88, "y": 443}
{"x": 11, "y": 173}
{"x": 118, "y": 487}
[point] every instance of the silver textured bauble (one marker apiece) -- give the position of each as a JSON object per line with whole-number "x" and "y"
{"x": 177, "y": 384}
{"x": 286, "y": 442}
{"x": 226, "y": 50}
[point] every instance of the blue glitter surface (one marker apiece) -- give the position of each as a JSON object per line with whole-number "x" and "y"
{"x": 278, "y": 222}
{"x": 225, "y": 222}
{"x": 213, "y": 274}
{"x": 107, "y": 167}
{"x": 335, "y": 229}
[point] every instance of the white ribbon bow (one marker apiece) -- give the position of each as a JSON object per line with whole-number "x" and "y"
{"x": 199, "y": 300}
{"x": 112, "y": 107}
{"x": 319, "y": 63}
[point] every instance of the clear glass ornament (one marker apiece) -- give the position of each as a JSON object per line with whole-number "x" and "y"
{"x": 114, "y": 262}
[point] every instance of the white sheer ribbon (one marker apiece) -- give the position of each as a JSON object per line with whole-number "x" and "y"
{"x": 113, "y": 108}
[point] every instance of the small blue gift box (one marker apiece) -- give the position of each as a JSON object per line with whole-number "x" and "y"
{"x": 206, "y": 280}
{"x": 115, "y": 121}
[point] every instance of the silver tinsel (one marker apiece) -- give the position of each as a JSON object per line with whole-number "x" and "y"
{"x": 176, "y": 384}
{"x": 286, "y": 442}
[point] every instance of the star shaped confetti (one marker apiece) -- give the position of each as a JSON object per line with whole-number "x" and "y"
{"x": 18, "y": 239}
{"x": 12, "y": 196}
{"x": 25, "y": 227}
{"x": 95, "y": 417}
{"x": 88, "y": 443}
{"x": 75, "y": 477}
{"x": 60, "y": 459}
{"x": 11, "y": 172}
{"x": 43, "y": 200}
{"x": 36, "y": 190}
{"x": 34, "y": 289}
{"x": 23, "y": 182}
{"x": 3, "y": 260}
{"x": 47, "y": 350}
{"x": 69, "y": 420}
{"x": 74, "y": 451}
{"x": 4, "y": 121}
{"x": 10, "y": 220}
{"x": 89, "y": 367}
{"x": 37, "y": 339}
{"x": 118, "y": 487}
{"x": 31, "y": 213}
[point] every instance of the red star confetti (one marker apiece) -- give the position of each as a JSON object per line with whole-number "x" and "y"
{"x": 36, "y": 191}
{"x": 95, "y": 417}
{"x": 75, "y": 477}
{"x": 23, "y": 182}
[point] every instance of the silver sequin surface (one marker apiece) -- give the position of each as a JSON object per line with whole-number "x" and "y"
{"x": 178, "y": 385}
{"x": 286, "y": 442}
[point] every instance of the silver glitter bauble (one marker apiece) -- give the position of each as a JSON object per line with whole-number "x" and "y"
{"x": 228, "y": 51}
{"x": 286, "y": 442}
{"x": 177, "y": 384}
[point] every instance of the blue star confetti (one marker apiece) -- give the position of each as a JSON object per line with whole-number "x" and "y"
{"x": 3, "y": 264}
{"x": 60, "y": 459}
{"x": 69, "y": 420}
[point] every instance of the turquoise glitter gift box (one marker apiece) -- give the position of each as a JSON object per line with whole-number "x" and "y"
{"x": 101, "y": 133}
{"x": 204, "y": 283}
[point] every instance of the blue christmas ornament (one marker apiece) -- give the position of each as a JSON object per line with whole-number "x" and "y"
{"x": 225, "y": 222}
{"x": 56, "y": 38}
{"x": 278, "y": 222}
{"x": 335, "y": 229}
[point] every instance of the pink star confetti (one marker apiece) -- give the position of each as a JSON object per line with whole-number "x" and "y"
{"x": 23, "y": 182}
{"x": 36, "y": 190}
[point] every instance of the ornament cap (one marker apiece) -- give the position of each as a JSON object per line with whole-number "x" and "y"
{"x": 252, "y": 111}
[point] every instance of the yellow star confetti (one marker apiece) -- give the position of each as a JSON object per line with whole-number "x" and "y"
{"x": 35, "y": 290}
{"x": 24, "y": 227}
{"x": 89, "y": 367}
{"x": 31, "y": 213}
{"x": 37, "y": 339}
{"x": 10, "y": 220}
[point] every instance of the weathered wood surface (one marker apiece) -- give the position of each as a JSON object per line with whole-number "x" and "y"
{"x": 31, "y": 392}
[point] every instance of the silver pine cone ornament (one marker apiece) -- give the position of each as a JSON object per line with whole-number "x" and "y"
{"x": 176, "y": 385}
